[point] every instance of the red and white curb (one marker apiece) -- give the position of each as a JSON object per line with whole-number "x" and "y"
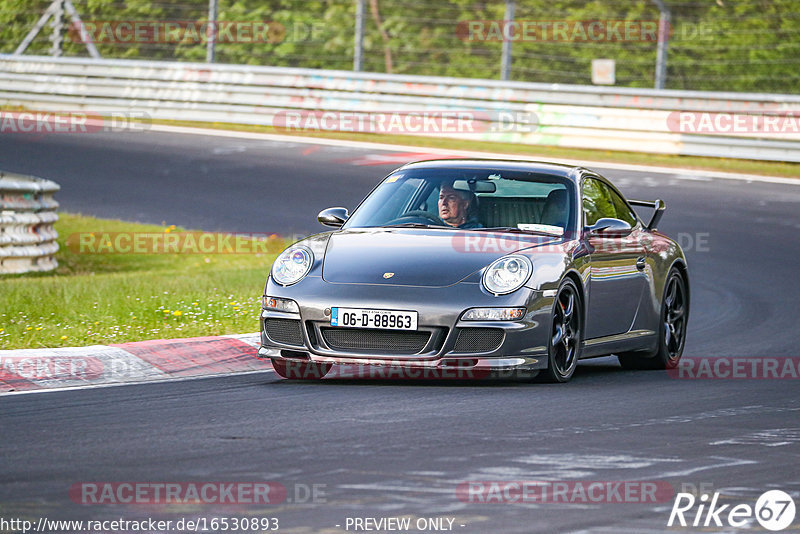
{"x": 30, "y": 370}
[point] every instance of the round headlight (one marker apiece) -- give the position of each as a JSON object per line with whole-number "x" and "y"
{"x": 292, "y": 265}
{"x": 507, "y": 274}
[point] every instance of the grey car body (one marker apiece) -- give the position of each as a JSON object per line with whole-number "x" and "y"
{"x": 614, "y": 275}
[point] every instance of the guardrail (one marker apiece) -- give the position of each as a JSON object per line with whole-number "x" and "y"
{"x": 27, "y": 213}
{"x": 640, "y": 120}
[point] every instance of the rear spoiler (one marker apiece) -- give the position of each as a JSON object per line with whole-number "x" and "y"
{"x": 659, "y": 207}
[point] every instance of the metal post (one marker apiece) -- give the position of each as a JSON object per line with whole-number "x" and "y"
{"x": 358, "y": 47}
{"x": 36, "y": 29}
{"x": 505, "y": 63}
{"x": 85, "y": 36}
{"x": 58, "y": 37}
{"x": 663, "y": 42}
{"x": 57, "y": 24}
{"x": 211, "y": 46}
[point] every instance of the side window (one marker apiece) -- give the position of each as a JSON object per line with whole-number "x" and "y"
{"x": 624, "y": 213}
{"x": 429, "y": 202}
{"x": 597, "y": 202}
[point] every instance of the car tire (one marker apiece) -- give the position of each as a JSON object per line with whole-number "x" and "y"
{"x": 566, "y": 334}
{"x": 671, "y": 331}
{"x": 295, "y": 370}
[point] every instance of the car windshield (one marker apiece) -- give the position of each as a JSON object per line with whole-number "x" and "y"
{"x": 469, "y": 199}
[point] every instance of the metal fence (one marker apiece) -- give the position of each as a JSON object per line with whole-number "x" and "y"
{"x": 27, "y": 213}
{"x": 731, "y": 125}
{"x": 711, "y": 45}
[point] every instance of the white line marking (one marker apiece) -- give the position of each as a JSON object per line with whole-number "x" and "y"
{"x": 140, "y": 383}
{"x": 731, "y": 462}
{"x": 692, "y": 178}
{"x": 593, "y": 461}
{"x": 470, "y": 154}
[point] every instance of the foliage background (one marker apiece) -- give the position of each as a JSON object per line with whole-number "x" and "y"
{"x": 720, "y": 45}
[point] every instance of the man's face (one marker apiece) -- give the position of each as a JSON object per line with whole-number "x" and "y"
{"x": 452, "y": 206}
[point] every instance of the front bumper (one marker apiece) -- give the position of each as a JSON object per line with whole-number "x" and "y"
{"x": 506, "y": 346}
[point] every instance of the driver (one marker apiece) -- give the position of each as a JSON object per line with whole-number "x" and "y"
{"x": 458, "y": 208}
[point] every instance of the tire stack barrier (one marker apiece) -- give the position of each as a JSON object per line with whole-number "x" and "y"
{"x": 27, "y": 214}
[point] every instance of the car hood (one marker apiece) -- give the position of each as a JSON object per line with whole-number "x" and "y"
{"x": 416, "y": 257}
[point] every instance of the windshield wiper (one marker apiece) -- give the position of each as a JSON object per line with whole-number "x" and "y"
{"x": 409, "y": 225}
{"x": 516, "y": 230}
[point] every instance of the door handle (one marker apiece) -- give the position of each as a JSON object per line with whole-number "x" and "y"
{"x": 640, "y": 264}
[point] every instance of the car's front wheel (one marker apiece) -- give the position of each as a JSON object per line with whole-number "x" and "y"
{"x": 672, "y": 329}
{"x": 564, "y": 347}
{"x": 295, "y": 370}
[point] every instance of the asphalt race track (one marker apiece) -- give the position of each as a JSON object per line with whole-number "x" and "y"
{"x": 391, "y": 449}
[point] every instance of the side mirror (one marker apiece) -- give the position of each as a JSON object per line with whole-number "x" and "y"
{"x": 333, "y": 217}
{"x": 610, "y": 227}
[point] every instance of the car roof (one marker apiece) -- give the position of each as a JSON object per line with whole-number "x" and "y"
{"x": 571, "y": 172}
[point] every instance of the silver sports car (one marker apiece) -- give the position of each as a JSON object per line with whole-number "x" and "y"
{"x": 481, "y": 267}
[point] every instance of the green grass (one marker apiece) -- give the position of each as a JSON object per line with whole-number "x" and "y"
{"x": 765, "y": 168}
{"x": 114, "y": 298}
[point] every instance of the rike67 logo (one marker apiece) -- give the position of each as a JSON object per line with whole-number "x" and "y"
{"x": 774, "y": 510}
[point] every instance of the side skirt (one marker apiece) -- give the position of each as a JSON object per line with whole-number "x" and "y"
{"x": 629, "y": 341}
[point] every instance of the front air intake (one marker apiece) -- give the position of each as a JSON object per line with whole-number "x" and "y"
{"x": 376, "y": 341}
{"x": 286, "y": 331}
{"x": 478, "y": 340}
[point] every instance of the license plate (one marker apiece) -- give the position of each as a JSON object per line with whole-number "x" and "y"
{"x": 365, "y": 318}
